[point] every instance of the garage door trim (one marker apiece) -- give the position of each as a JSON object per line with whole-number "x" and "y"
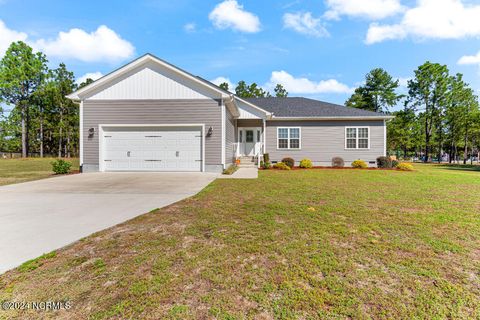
{"x": 102, "y": 143}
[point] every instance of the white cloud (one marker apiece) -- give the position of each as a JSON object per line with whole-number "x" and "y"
{"x": 220, "y": 80}
{"x": 465, "y": 60}
{"x": 370, "y": 9}
{"x": 91, "y": 75}
{"x": 378, "y": 33}
{"x": 306, "y": 86}
{"x": 230, "y": 14}
{"x": 7, "y": 36}
{"x": 431, "y": 19}
{"x": 190, "y": 27}
{"x": 403, "y": 82}
{"x": 304, "y": 23}
{"x": 103, "y": 44}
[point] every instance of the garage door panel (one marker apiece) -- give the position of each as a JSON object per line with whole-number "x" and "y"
{"x": 158, "y": 149}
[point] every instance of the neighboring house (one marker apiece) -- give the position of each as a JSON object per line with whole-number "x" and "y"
{"x": 152, "y": 116}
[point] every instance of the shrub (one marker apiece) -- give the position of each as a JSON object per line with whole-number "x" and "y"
{"x": 231, "y": 169}
{"x": 338, "y": 162}
{"x": 384, "y": 162}
{"x": 403, "y": 166}
{"x": 359, "y": 164}
{"x": 265, "y": 165}
{"x": 61, "y": 166}
{"x": 395, "y": 163}
{"x": 289, "y": 162}
{"x": 266, "y": 157}
{"x": 306, "y": 163}
{"x": 281, "y": 166}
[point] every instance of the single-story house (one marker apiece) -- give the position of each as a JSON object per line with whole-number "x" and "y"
{"x": 150, "y": 115}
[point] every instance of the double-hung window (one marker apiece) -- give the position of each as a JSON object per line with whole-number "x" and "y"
{"x": 288, "y": 138}
{"x": 357, "y": 138}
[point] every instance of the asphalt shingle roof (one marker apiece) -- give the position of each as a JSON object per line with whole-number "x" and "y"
{"x": 304, "y": 107}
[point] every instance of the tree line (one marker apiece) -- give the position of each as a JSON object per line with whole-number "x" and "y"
{"x": 253, "y": 90}
{"x": 440, "y": 115}
{"x": 42, "y": 121}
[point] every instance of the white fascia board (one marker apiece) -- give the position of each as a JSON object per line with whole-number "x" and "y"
{"x": 331, "y": 118}
{"x": 132, "y": 65}
{"x": 232, "y": 106}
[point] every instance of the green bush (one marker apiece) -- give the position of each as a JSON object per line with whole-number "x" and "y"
{"x": 281, "y": 166}
{"x": 61, "y": 166}
{"x": 395, "y": 163}
{"x": 384, "y": 162}
{"x": 266, "y": 158}
{"x": 306, "y": 163}
{"x": 265, "y": 165}
{"x": 403, "y": 166}
{"x": 338, "y": 162}
{"x": 289, "y": 162}
{"x": 359, "y": 164}
{"x": 231, "y": 169}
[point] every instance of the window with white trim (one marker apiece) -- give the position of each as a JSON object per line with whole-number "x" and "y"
{"x": 357, "y": 138}
{"x": 288, "y": 138}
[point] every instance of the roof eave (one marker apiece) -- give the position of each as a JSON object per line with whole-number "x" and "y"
{"x": 334, "y": 118}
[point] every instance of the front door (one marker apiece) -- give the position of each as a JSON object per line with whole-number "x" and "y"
{"x": 250, "y": 141}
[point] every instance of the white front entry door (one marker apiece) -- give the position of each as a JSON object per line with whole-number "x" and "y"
{"x": 152, "y": 149}
{"x": 249, "y": 141}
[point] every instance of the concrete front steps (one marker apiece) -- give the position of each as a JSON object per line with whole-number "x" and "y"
{"x": 247, "y": 162}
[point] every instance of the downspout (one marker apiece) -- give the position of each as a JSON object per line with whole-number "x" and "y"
{"x": 81, "y": 135}
{"x": 223, "y": 133}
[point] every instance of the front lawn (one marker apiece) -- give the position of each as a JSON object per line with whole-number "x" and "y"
{"x": 22, "y": 170}
{"x": 311, "y": 244}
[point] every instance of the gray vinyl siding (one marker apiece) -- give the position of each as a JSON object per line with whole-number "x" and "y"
{"x": 229, "y": 138}
{"x": 198, "y": 111}
{"x": 323, "y": 140}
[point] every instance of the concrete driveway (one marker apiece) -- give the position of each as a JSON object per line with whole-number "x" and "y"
{"x": 40, "y": 216}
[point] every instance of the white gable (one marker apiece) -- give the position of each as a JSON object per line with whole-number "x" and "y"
{"x": 248, "y": 112}
{"x": 152, "y": 81}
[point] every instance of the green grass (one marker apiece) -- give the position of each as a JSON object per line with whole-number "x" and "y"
{"x": 300, "y": 244}
{"x": 22, "y": 170}
{"x": 37, "y": 262}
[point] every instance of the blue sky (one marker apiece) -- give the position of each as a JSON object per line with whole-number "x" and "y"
{"x": 319, "y": 49}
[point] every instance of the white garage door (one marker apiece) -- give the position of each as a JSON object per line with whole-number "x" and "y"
{"x": 152, "y": 149}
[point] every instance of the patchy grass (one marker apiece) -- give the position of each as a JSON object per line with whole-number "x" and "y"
{"x": 22, "y": 170}
{"x": 231, "y": 169}
{"x": 304, "y": 244}
{"x": 37, "y": 262}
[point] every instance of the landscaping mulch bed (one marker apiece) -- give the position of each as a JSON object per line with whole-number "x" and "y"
{"x": 332, "y": 168}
